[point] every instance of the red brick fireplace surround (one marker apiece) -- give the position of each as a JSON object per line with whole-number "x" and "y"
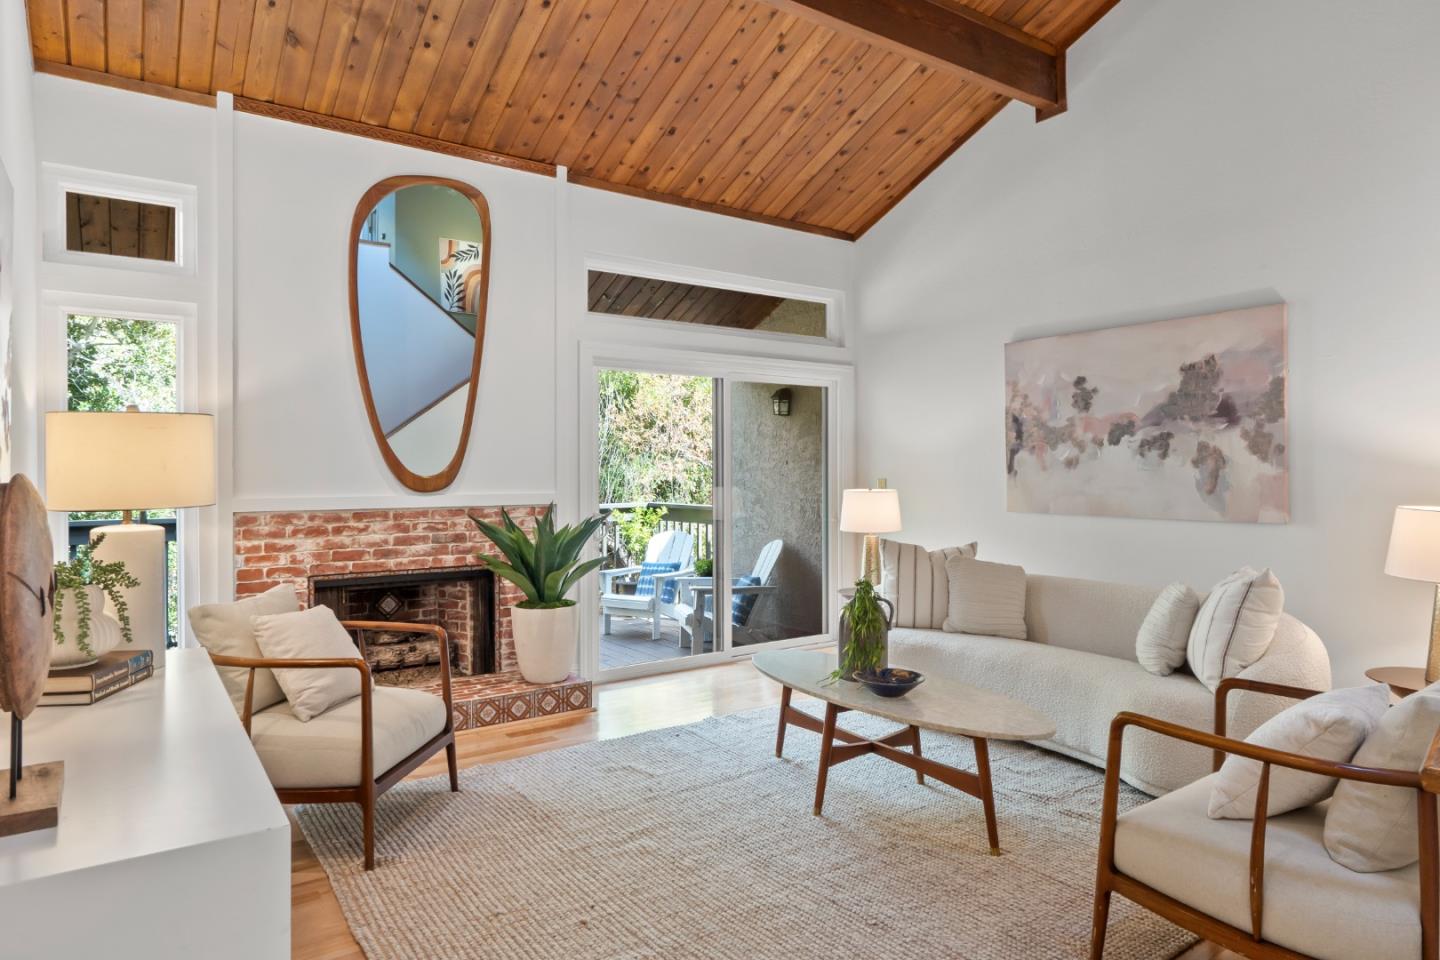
{"x": 312, "y": 548}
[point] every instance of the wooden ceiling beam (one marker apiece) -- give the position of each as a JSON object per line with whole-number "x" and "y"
{"x": 976, "y": 47}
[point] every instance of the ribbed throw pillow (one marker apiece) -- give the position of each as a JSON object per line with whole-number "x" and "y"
{"x": 1329, "y": 726}
{"x": 1164, "y": 636}
{"x": 914, "y": 579}
{"x": 1235, "y": 625}
{"x": 987, "y": 599}
{"x": 1370, "y": 827}
{"x": 226, "y": 629}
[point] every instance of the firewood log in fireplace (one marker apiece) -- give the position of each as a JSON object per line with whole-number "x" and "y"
{"x": 395, "y": 651}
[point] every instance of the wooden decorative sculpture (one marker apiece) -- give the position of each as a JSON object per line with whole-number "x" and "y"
{"x": 27, "y": 594}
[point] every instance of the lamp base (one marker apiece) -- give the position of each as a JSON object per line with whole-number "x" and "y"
{"x": 872, "y": 559}
{"x": 141, "y": 546}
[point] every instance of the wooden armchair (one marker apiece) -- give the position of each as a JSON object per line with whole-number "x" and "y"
{"x": 1323, "y": 905}
{"x": 303, "y": 759}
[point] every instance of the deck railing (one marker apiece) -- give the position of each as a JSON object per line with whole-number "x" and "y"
{"x": 696, "y": 519}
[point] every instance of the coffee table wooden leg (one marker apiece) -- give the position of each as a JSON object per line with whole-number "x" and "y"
{"x": 915, "y": 748}
{"x": 827, "y": 740}
{"x": 987, "y": 797}
{"x": 784, "y": 721}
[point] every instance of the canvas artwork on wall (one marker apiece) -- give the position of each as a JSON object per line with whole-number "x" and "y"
{"x": 1177, "y": 419}
{"x": 461, "y": 270}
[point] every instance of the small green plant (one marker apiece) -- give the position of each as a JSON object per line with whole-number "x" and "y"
{"x": 86, "y": 571}
{"x": 544, "y": 567}
{"x": 865, "y": 620}
{"x": 705, "y": 567}
{"x": 636, "y": 527}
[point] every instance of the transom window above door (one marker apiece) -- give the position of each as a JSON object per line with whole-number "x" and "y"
{"x": 625, "y": 295}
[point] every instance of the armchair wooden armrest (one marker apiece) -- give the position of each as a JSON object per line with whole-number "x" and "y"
{"x": 433, "y": 629}
{"x": 252, "y": 664}
{"x": 1426, "y": 783}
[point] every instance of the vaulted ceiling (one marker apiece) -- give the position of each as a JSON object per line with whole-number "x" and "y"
{"x": 816, "y": 114}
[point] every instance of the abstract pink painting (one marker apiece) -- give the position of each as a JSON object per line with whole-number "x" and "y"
{"x": 1177, "y": 419}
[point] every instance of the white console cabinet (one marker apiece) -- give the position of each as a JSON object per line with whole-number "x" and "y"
{"x": 171, "y": 842}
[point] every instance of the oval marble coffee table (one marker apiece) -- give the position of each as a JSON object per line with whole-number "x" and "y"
{"x": 937, "y": 704}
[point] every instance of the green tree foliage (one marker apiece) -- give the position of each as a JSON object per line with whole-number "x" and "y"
{"x": 655, "y": 438}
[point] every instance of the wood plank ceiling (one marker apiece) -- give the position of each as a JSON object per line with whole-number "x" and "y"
{"x": 627, "y": 296}
{"x": 793, "y": 112}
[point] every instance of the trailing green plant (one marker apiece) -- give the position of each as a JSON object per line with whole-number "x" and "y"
{"x": 636, "y": 527}
{"x": 88, "y": 571}
{"x": 865, "y": 620}
{"x": 705, "y": 567}
{"x": 546, "y": 566}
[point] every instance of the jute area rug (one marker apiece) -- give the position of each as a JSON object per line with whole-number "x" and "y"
{"x": 695, "y": 842}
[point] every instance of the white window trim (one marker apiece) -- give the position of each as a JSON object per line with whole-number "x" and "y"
{"x": 55, "y": 309}
{"x": 833, "y": 301}
{"x": 59, "y": 179}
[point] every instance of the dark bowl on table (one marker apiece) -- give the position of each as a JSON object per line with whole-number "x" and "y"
{"x": 890, "y": 681}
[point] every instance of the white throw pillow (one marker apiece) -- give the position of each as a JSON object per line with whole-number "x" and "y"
{"x": 1235, "y": 625}
{"x": 1370, "y": 827}
{"x": 1165, "y": 635}
{"x": 986, "y": 599}
{"x": 226, "y": 629}
{"x": 313, "y": 633}
{"x": 1329, "y": 726}
{"x": 915, "y": 581}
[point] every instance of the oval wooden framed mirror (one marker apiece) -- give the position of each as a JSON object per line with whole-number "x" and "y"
{"x": 419, "y": 283}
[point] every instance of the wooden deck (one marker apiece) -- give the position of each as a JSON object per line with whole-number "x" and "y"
{"x": 630, "y": 643}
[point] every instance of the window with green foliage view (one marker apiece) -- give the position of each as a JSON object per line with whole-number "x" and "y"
{"x": 111, "y": 363}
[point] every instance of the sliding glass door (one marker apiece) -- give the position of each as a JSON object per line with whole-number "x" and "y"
{"x": 714, "y": 491}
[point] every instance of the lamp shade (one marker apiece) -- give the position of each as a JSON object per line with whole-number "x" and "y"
{"x": 129, "y": 461}
{"x": 870, "y": 511}
{"x": 1415, "y": 544}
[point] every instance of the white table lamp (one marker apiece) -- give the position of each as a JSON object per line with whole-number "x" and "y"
{"x": 132, "y": 461}
{"x": 871, "y": 512}
{"x": 1415, "y": 555}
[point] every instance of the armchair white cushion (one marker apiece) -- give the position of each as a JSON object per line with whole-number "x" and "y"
{"x": 1313, "y": 905}
{"x": 1372, "y": 827}
{"x": 309, "y": 634}
{"x": 228, "y": 630}
{"x": 325, "y": 751}
{"x": 1330, "y": 726}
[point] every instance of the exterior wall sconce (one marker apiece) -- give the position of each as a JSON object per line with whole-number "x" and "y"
{"x": 780, "y": 401}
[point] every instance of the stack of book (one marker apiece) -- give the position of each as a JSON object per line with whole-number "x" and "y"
{"x": 113, "y": 672}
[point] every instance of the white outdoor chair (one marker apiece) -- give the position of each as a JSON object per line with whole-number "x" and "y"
{"x": 695, "y": 613}
{"x": 668, "y": 558}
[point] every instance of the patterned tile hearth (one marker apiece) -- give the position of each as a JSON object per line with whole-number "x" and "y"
{"x": 496, "y": 698}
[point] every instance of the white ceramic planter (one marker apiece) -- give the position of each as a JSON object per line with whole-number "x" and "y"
{"x": 105, "y": 632}
{"x": 544, "y": 642}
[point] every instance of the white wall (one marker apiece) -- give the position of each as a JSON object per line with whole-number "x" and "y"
{"x": 276, "y": 201}
{"x": 17, "y": 151}
{"x": 1215, "y": 155}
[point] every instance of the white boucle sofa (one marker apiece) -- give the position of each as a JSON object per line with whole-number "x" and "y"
{"x": 1078, "y": 667}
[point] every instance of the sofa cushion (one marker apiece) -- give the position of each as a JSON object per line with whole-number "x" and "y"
{"x": 227, "y": 629}
{"x": 304, "y": 635}
{"x": 1331, "y": 726}
{"x": 1374, "y": 827}
{"x": 985, "y": 598}
{"x": 1313, "y": 905}
{"x": 915, "y": 581}
{"x": 1081, "y": 692}
{"x": 1163, "y": 638}
{"x": 1088, "y": 615}
{"x": 1235, "y": 625}
{"x": 325, "y": 751}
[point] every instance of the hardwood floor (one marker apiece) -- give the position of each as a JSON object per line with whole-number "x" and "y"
{"x": 318, "y": 928}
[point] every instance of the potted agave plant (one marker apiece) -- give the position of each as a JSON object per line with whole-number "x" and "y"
{"x": 82, "y": 630}
{"x": 545, "y": 567}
